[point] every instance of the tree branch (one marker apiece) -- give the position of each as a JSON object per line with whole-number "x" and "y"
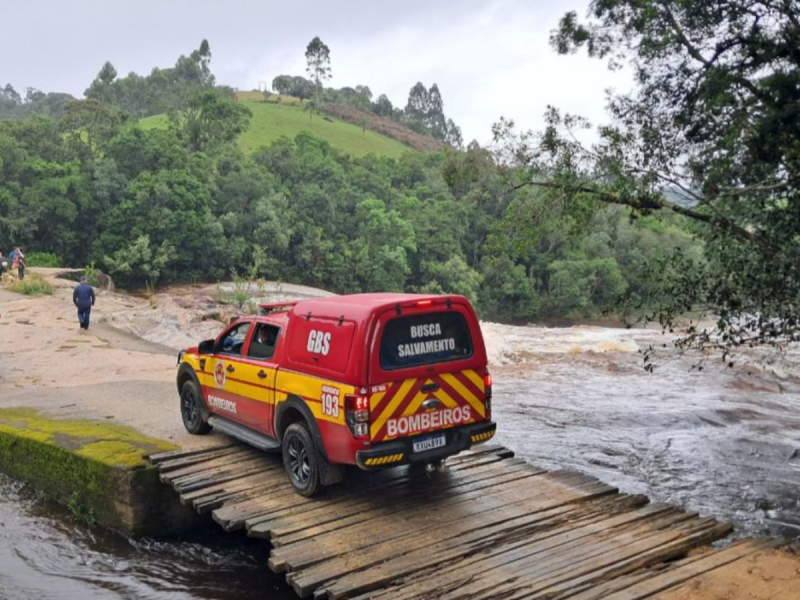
{"x": 652, "y": 202}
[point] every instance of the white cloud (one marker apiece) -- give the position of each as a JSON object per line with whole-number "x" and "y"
{"x": 488, "y": 62}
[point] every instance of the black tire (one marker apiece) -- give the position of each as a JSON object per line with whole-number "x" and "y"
{"x": 301, "y": 459}
{"x": 191, "y": 409}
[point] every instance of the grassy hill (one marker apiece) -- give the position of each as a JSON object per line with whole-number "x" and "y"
{"x": 272, "y": 120}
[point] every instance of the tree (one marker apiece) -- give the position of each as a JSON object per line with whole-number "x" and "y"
{"x": 426, "y": 106}
{"x": 310, "y": 107}
{"x": 383, "y": 106}
{"x": 709, "y": 132}
{"x": 453, "y": 136}
{"x": 90, "y": 121}
{"x": 363, "y": 90}
{"x": 282, "y": 84}
{"x": 318, "y": 61}
{"x": 418, "y": 104}
{"x": 10, "y": 93}
{"x": 107, "y": 74}
{"x": 101, "y": 88}
{"x": 209, "y": 120}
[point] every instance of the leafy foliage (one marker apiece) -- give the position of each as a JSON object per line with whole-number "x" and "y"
{"x": 162, "y": 91}
{"x": 43, "y": 259}
{"x": 318, "y": 61}
{"x": 709, "y": 132}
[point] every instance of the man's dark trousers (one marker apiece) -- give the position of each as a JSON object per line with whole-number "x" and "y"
{"x": 83, "y": 316}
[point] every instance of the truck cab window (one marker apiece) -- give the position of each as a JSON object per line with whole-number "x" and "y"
{"x": 265, "y": 338}
{"x": 233, "y": 341}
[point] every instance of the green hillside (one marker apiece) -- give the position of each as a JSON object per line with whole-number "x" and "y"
{"x": 272, "y": 120}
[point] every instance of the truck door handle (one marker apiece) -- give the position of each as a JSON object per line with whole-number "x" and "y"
{"x": 429, "y": 387}
{"x": 262, "y": 375}
{"x": 230, "y": 369}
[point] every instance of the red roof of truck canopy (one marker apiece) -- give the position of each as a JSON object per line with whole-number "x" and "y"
{"x": 359, "y": 307}
{"x": 362, "y": 311}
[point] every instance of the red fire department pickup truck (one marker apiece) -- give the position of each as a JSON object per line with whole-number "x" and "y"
{"x": 373, "y": 380}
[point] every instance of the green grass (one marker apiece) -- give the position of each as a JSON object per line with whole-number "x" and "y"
{"x": 33, "y": 285}
{"x": 272, "y": 120}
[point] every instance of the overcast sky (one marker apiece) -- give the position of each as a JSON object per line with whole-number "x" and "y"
{"x": 490, "y": 58}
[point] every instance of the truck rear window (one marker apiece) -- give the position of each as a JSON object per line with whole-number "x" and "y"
{"x": 425, "y": 339}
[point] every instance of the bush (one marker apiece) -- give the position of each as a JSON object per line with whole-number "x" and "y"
{"x": 43, "y": 259}
{"x": 33, "y": 285}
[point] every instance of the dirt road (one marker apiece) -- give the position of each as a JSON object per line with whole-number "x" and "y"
{"x": 48, "y": 363}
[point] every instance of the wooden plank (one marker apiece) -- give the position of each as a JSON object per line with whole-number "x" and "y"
{"x": 676, "y": 572}
{"x": 340, "y": 502}
{"x": 531, "y": 543}
{"x": 677, "y": 576}
{"x": 219, "y": 475}
{"x": 187, "y": 461}
{"x": 572, "y": 562}
{"x": 422, "y": 520}
{"x": 309, "y": 524}
{"x": 390, "y": 498}
{"x": 200, "y": 470}
{"x": 585, "y": 520}
{"x": 265, "y": 477}
{"x": 159, "y": 457}
{"x": 652, "y": 550}
{"x": 439, "y": 541}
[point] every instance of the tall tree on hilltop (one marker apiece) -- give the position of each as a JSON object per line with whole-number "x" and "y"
{"x": 426, "y": 106}
{"x": 101, "y": 88}
{"x": 318, "y": 64}
{"x": 418, "y": 103}
{"x": 710, "y": 132}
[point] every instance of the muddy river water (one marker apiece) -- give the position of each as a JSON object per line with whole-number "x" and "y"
{"x": 720, "y": 441}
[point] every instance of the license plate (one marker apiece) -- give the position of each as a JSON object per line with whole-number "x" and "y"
{"x": 429, "y": 443}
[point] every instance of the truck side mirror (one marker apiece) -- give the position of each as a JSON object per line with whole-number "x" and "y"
{"x": 206, "y": 347}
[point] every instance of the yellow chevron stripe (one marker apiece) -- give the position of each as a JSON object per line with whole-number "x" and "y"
{"x": 414, "y": 405}
{"x": 445, "y": 397}
{"x": 389, "y": 410}
{"x": 475, "y": 378}
{"x": 465, "y": 393}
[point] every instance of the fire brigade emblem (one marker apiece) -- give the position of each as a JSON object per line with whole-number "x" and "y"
{"x": 219, "y": 374}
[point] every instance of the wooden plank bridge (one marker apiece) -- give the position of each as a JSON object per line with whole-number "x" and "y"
{"x": 491, "y": 526}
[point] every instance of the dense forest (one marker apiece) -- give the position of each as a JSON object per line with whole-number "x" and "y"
{"x": 184, "y": 204}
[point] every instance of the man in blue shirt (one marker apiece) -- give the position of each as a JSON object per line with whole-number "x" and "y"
{"x": 83, "y": 299}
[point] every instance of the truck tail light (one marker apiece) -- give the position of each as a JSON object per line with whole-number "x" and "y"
{"x": 487, "y": 382}
{"x": 356, "y": 414}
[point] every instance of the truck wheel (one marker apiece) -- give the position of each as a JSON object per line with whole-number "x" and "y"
{"x": 301, "y": 459}
{"x": 191, "y": 403}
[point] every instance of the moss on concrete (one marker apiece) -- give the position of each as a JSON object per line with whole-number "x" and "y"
{"x": 102, "y": 465}
{"x": 107, "y": 443}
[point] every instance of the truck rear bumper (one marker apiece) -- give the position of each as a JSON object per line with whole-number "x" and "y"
{"x": 401, "y": 452}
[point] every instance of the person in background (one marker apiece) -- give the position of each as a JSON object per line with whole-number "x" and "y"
{"x": 15, "y": 262}
{"x": 83, "y": 299}
{"x": 20, "y": 255}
